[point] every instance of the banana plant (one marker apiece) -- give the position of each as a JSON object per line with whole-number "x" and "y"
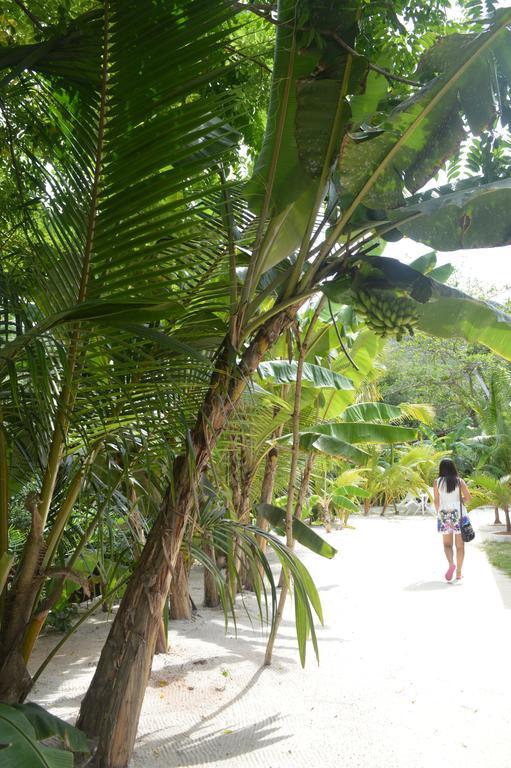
{"x": 133, "y": 258}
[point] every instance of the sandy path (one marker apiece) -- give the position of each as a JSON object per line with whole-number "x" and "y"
{"x": 413, "y": 672}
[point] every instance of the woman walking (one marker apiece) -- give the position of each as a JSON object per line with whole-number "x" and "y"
{"x": 448, "y": 491}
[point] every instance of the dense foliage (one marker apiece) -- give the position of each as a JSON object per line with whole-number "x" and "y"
{"x": 180, "y": 271}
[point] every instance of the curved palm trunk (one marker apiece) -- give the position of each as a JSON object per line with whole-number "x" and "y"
{"x": 270, "y": 471}
{"x": 111, "y": 707}
{"x": 180, "y": 602}
{"x": 497, "y": 517}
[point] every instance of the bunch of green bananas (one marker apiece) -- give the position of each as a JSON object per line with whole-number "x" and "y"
{"x": 385, "y": 313}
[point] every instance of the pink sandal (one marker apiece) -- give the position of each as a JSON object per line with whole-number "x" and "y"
{"x": 450, "y": 572}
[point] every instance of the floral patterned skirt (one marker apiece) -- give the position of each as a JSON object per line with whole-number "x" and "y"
{"x": 448, "y": 521}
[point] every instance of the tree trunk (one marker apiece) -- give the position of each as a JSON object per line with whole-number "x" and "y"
{"x": 180, "y": 603}
{"x": 367, "y": 506}
{"x": 270, "y": 471}
{"x": 497, "y": 517}
{"x": 508, "y": 521}
{"x": 111, "y": 707}
{"x": 302, "y": 494}
{"x": 162, "y": 643}
{"x": 304, "y": 485}
{"x": 15, "y": 680}
{"x": 266, "y": 497}
{"x": 242, "y": 475}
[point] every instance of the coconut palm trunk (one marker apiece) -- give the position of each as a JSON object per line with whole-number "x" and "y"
{"x": 110, "y": 710}
{"x": 304, "y": 484}
{"x": 180, "y": 603}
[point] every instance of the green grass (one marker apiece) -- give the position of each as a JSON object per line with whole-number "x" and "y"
{"x": 499, "y": 555}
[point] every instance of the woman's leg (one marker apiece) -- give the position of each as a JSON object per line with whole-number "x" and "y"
{"x": 448, "y": 542}
{"x": 460, "y": 554}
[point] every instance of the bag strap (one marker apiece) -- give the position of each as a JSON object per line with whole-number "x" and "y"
{"x": 461, "y": 501}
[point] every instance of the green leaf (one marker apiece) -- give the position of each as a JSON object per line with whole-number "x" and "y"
{"x": 364, "y": 432}
{"x": 45, "y": 725}
{"x": 473, "y": 216}
{"x": 302, "y": 625}
{"x": 19, "y": 734}
{"x": 343, "y": 501}
{"x": 301, "y": 532}
{"x": 425, "y": 263}
{"x": 380, "y": 165}
{"x": 320, "y": 377}
{"x": 332, "y": 446}
{"x": 479, "y": 322}
{"x": 372, "y": 412}
{"x": 304, "y": 112}
{"x": 448, "y": 312}
{"x": 298, "y": 113}
{"x": 442, "y": 274}
{"x": 316, "y": 109}
{"x": 364, "y": 105}
{"x": 353, "y": 490}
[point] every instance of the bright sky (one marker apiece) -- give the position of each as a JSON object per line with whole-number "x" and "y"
{"x": 488, "y": 267}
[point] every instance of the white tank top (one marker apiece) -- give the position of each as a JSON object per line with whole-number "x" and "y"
{"x": 448, "y": 500}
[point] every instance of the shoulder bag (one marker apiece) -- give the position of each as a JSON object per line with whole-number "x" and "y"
{"x": 466, "y": 530}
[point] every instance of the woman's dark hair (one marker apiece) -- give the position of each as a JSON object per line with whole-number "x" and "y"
{"x": 449, "y": 473}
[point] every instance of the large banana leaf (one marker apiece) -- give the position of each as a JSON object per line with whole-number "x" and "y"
{"x": 333, "y": 446}
{"x": 21, "y": 729}
{"x": 301, "y": 532}
{"x": 385, "y": 412}
{"x": 405, "y": 150}
{"x": 474, "y": 215}
{"x": 372, "y": 412}
{"x": 364, "y": 432}
{"x": 318, "y": 376}
{"x": 307, "y": 116}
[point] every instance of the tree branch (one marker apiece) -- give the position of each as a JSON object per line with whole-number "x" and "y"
{"x": 35, "y": 21}
{"x": 258, "y": 10}
{"x": 242, "y": 55}
{"x": 334, "y": 36}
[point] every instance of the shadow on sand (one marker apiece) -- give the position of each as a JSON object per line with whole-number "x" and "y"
{"x": 429, "y": 586}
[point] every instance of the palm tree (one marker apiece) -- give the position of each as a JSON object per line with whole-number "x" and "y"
{"x": 138, "y": 293}
{"x": 495, "y": 492}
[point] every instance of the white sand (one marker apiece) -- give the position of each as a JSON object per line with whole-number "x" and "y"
{"x": 413, "y": 671}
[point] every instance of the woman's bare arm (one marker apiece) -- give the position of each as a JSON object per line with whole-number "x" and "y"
{"x": 436, "y": 496}
{"x": 465, "y": 492}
